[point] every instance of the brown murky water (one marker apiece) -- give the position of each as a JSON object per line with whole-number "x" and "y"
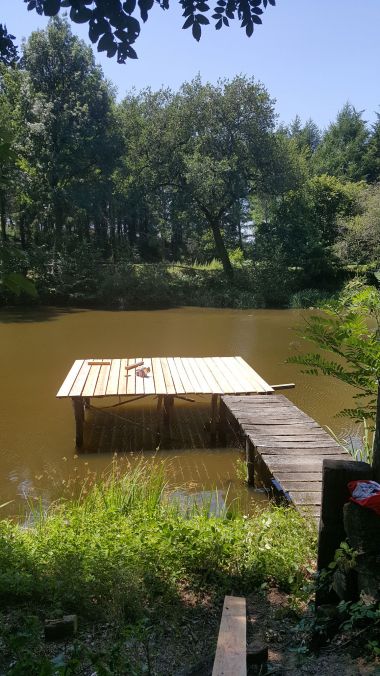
{"x": 38, "y": 347}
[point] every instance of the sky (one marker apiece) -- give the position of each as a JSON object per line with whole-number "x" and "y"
{"x": 312, "y": 55}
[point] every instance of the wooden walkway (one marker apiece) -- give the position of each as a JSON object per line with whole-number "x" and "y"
{"x": 284, "y": 446}
{"x": 167, "y": 378}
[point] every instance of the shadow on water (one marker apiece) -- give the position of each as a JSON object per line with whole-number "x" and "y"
{"x": 32, "y": 315}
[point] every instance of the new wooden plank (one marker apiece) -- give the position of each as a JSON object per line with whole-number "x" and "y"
{"x": 266, "y": 387}
{"x": 80, "y": 380}
{"x": 223, "y": 374}
{"x": 131, "y": 379}
{"x": 204, "y": 386}
{"x": 247, "y": 374}
{"x": 149, "y": 387}
{"x": 67, "y": 384}
{"x": 238, "y": 383}
{"x": 139, "y": 380}
{"x": 159, "y": 380}
{"x": 170, "y": 388}
{"x": 183, "y": 374}
{"x": 122, "y": 389}
{"x": 231, "y": 649}
{"x": 196, "y": 387}
{"x": 113, "y": 378}
{"x": 101, "y": 385}
{"x": 92, "y": 379}
{"x": 209, "y": 375}
{"x": 179, "y": 388}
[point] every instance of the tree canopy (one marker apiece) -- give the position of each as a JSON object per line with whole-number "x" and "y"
{"x": 114, "y": 25}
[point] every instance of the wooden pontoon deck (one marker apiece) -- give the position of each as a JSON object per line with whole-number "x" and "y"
{"x": 166, "y": 377}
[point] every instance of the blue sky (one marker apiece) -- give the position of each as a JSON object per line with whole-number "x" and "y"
{"x": 312, "y": 55}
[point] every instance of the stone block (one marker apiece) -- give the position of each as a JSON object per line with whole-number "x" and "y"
{"x": 64, "y": 627}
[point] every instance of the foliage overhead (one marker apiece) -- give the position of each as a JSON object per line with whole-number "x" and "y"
{"x": 8, "y": 50}
{"x": 113, "y": 25}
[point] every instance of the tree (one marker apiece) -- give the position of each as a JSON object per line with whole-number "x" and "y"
{"x": 342, "y": 151}
{"x": 115, "y": 28}
{"x": 349, "y": 329}
{"x": 67, "y": 148}
{"x": 373, "y": 153}
{"x": 359, "y": 239}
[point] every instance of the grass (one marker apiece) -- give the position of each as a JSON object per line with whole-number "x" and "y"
{"x": 124, "y": 551}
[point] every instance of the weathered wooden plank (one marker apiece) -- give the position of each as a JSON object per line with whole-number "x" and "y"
{"x": 308, "y": 477}
{"x": 231, "y": 649}
{"x": 300, "y": 451}
{"x": 101, "y": 385}
{"x": 113, "y": 378}
{"x": 312, "y": 486}
{"x": 306, "y": 497}
{"x": 284, "y": 439}
{"x": 159, "y": 380}
{"x": 170, "y": 388}
{"x": 179, "y": 388}
{"x": 309, "y": 510}
{"x": 69, "y": 381}
{"x": 123, "y": 377}
{"x": 149, "y": 380}
{"x": 299, "y": 444}
{"x": 90, "y": 384}
{"x": 285, "y": 431}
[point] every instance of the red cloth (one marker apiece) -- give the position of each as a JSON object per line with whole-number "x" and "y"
{"x": 365, "y": 493}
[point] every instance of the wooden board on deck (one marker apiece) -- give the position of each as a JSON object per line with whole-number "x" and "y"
{"x": 98, "y": 377}
{"x": 231, "y": 649}
{"x": 290, "y": 443}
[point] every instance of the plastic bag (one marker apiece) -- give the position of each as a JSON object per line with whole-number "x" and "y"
{"x": 365, "y": 493}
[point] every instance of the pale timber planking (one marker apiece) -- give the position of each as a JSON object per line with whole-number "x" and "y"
{"x": 67, "y": 384}
{"x": 239, "y": 383}
{"x": 159, "y": 380}
{"x": 170, "y": 388}
{"x": 196, "y": 386}
{"x": 179, "y": 388}
{"x": 264, "y": 385}
{"x": 101, "y": 385}
{"x": 208, "y": 375}
{"x": 122, "y": 391}
{"x": 224, "y": 374}
{"x": 186, "y": 382}
{"x": 113, "y": 380}
{"x": 149, "y": 380}
{"x": 212, "y": 375}
{"x": 139, "y": 380}
{"x": 80, "y": 380}
{"x": 204, "y": 387}
{"x": 92, "y": 378}
{"x": 246, "y": 372}
{"x": 231, "y": 649}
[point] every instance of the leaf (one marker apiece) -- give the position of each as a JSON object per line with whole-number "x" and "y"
{"x": 51, "y": 7}
{"x": 225, "y": 21}
{"x": 202, "y": 7}
{"x": 256, "y": 19}
{"x": 81, "y": 15}
{"x": 32, "y": 4}
{"x": 218, "y": 24}
{"x": 197, "y": 31}
{"x": 202, "y": 19}
{"x": 249, "y": 28}
{"x": 189, "y": 22}
{"x": 129, "y": 6}
{"x": 106, "y": 42}
{"x": 17, "y": 284}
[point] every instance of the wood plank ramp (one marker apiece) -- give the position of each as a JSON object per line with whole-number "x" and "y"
{"x": 288, "y": 446}
{"x": 231, "y": 649}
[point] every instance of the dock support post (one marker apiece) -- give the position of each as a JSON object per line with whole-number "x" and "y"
{"x": 78, "y": 406}
{"x": 159, "y": 417}
{"x": 250, "y": 460}
{"x": 168, "y": 407}
{"x": 222, "y": 425}
{"x": 214, "y": 418}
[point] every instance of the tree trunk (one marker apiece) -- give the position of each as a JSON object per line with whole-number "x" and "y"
{"x": 3, "y": 218}
{"x": 221, "y": 250}
{"x": 376, "y": 442}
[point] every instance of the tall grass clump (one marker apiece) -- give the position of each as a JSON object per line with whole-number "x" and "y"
{"x": 124, "y": 546}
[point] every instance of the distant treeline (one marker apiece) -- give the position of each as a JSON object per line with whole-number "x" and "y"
{"x": 89, "y": 186}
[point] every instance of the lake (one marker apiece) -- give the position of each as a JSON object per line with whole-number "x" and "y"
{"x": 37, "y": 453}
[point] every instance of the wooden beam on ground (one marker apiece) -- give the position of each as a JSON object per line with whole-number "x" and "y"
{"x": 231, "y": 649}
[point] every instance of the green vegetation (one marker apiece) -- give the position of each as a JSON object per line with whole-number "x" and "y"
{"x": 125, "y": 552}
{"x": 92, "y": 189}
